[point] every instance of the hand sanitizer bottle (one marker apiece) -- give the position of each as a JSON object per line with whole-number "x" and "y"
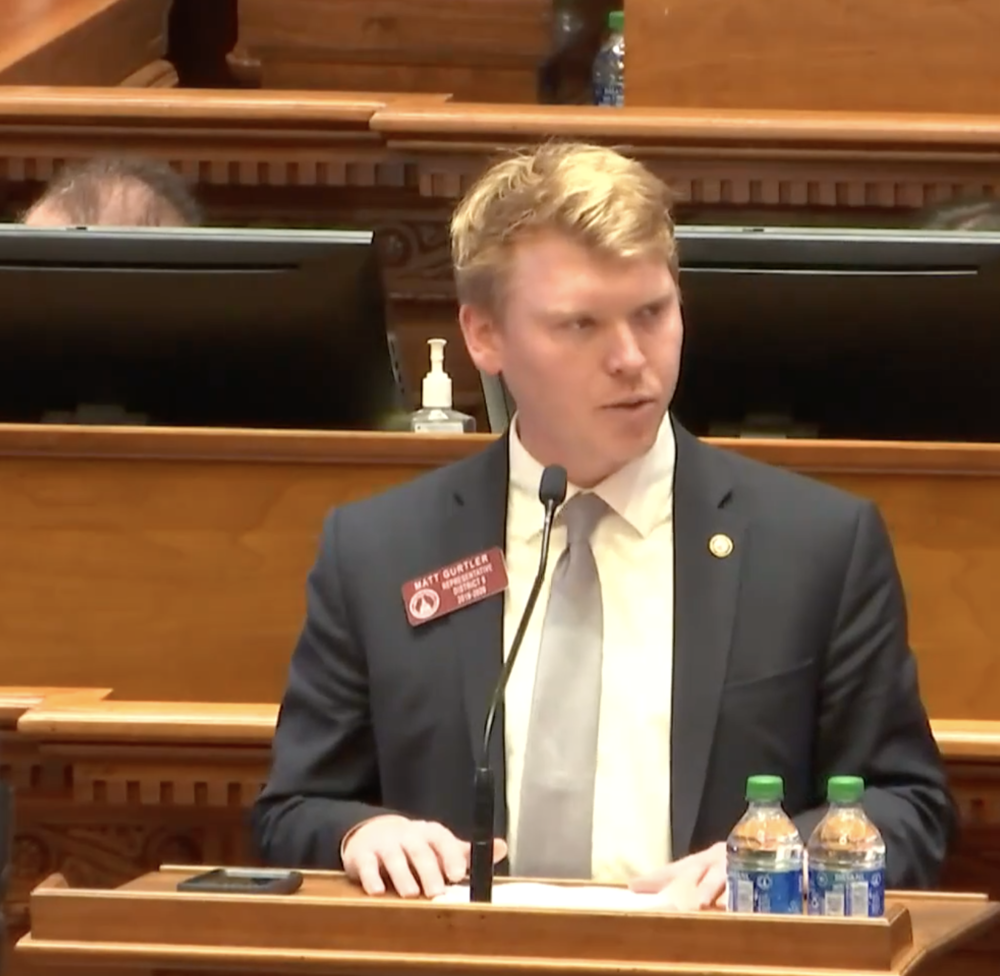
{"x": 436, "y": 415}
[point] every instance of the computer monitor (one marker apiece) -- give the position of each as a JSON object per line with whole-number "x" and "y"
{"x": 200, "y": 327}
{"x": 838, "y": 333}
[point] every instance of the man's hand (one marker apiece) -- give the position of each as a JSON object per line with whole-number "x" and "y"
{"x": 415, "y": 856}
{"x": 694, "y": 882}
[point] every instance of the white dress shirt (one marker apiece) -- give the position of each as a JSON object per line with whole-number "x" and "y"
{"x": 634, "y": 550}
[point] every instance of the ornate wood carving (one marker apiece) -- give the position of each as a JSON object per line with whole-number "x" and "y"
{"x": 425, "y": 146}
{"x": 107, "y": 790}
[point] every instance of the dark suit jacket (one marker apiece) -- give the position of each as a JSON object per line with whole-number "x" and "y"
{"x": 790, "y": 658}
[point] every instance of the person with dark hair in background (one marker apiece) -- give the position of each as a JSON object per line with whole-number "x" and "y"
{"x": 122, "y": 192}
{"x": 979, "y": 213}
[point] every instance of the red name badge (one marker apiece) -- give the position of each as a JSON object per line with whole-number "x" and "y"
{"x": 452, "y": 587}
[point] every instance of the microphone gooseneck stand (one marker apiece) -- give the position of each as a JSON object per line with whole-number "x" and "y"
{"x": 551, "y": 493}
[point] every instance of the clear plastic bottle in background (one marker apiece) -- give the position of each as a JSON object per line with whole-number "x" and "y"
{"x": 563, "y": 76}
{"x": 609, "y": 65}
{"x": 846, "y": 856}
{"x": 568, "y": 23}
{"x": 764, "y": 854}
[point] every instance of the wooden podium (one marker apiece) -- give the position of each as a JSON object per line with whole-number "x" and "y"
{"x": 328, "y": 927}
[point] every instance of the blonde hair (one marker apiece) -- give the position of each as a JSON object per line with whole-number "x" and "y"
{"x": 592, "y": 194}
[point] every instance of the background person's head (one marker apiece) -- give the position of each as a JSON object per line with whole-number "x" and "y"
{"x": 127, "y": 192}
{"x": 970, "y": 214}
{"x": 566, "y": 269}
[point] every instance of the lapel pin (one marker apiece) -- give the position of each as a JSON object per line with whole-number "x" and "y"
{"x": 720, "y": 545}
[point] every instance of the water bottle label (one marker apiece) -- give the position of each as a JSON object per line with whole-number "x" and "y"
{"x": 858, "y": 894}
{"x": 765, "y": 892}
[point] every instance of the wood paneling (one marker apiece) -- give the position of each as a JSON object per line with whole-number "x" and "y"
{"x": 84, "y": 42}
{"x": 815, "y": 55}
{"x": 107, "y": 789}
{"x": 163, "y": 558}
{"x": 150, "y": 560}
{"x": 480, "y": 50}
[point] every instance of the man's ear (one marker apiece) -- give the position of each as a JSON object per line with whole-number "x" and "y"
{"x": 482, "y": 338}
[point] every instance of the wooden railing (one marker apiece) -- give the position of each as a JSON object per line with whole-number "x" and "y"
{"x": 107, "y": 789}
{"x": 63, "y": 716}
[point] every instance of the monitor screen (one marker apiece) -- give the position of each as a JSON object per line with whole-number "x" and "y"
{"x": 199, "y": 327}
{"x": 836, "y": 333}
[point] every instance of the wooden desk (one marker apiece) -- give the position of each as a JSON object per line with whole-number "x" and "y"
{"x": 107, "y": 789}
{"x": 327, "y": 928}
{"x": 85, "y": 42}
{"x": 150, "y": 560}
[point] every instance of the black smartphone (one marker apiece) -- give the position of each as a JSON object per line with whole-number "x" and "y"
{"x": 244, "y": 881}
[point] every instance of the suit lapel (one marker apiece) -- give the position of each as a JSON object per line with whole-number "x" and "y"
{"x": 706, "y": 587}
{"x": 476, "y": 520}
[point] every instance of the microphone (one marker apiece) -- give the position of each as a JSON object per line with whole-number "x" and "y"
{"x": 551, "y": 493}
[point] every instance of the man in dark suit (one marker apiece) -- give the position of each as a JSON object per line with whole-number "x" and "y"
{"x": 726, "y": 618}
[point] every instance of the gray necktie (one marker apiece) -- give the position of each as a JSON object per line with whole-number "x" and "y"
{"x": 556, "y": 820}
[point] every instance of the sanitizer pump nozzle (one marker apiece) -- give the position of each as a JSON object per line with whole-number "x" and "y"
{"x": 436, "y": 415}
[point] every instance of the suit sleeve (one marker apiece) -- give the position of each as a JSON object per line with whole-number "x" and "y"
{"x": 872, "y": 721}
{"x": 324, "y": 773}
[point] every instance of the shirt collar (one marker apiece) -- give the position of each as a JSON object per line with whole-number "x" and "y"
{"x": 641, "y": 492}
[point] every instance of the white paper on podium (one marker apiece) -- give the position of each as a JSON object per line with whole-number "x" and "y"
{"x": 529, "y": 894}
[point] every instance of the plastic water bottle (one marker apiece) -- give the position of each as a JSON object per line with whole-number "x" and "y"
{"x": 764, "y": 854}
{"x": 846, "y": 856}
{"x": 609, "y": 65}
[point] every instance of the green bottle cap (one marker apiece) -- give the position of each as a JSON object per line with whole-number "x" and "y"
{"x": 765, "y": 789}
{"x": 845, "y": 789}
{"x": 616, "y": 21}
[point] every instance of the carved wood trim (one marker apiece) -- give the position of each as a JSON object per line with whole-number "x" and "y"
{"x": 107, "y": 789}
{"x": 429, "y": 146}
